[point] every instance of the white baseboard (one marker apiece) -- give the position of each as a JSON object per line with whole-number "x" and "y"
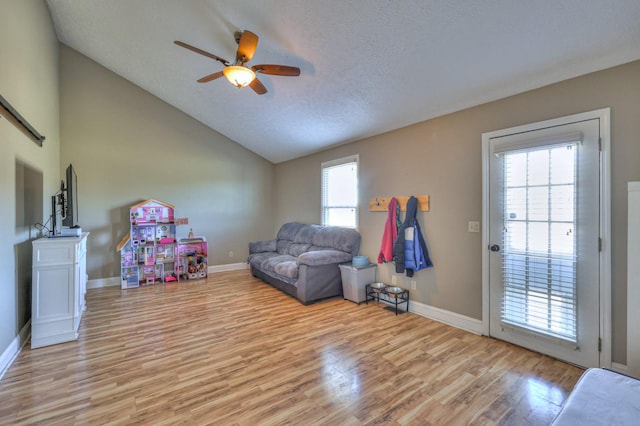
{"x": 228, "y": 267}
{"x": 463, "y": 322}
{"x": 103, "y": 282}
{"x": 620, "y": 368}
{"x": 11, "y": 353}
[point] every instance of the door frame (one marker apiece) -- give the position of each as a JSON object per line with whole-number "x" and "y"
{"x": 604, "y": 115}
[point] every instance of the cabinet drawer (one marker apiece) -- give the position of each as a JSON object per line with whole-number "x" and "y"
{"x": 54, "y": 254}
{"x": 58, "y": 251}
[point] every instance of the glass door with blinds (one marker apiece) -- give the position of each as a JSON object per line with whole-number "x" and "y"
{"x": 544, "y": 240}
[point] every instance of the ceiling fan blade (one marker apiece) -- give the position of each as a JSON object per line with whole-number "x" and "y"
{"x": 246, "y": 46}
{"x": 258, "y": 87}
{"x": 277, "y": 70}
{"x": 202, "y": 52}
{"x": 211, "y": 77}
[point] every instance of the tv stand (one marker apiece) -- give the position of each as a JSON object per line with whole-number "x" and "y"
{"x": 59, "y": 285}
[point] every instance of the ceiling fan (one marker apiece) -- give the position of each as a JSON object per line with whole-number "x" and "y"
{"x": 238, "y": 73}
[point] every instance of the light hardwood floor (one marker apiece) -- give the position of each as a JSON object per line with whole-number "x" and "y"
{"x": 233, "y": 350}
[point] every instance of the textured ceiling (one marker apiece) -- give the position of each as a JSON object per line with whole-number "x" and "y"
{"x": 367, "y": 66}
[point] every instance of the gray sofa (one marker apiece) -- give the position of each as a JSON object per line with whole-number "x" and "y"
{"x": 303, "y": 259}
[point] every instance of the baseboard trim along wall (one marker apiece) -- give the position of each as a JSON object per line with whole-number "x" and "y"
{"x": 228, "y": 267}
{"x": 11, "y": 353}
{"x": 620, "y": 368}
{"x": 453, "y": 319}
{"x": 103, "y": 282}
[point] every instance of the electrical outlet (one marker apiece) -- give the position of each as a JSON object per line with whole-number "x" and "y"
{"x": 413, "y": 285}
{"x": 230, "y": 254}
{"x": 474, "y": 226}
{"x": 394, "y": 279}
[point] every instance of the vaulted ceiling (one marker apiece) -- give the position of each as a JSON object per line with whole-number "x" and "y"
{"x": 367, "y": 66}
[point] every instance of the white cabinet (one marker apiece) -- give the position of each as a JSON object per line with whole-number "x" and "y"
{"x": 59, "y": 284}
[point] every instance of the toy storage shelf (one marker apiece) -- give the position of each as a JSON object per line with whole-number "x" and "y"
{"x": 192, "y": 255}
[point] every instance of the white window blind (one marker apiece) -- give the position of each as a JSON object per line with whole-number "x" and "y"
{"x": 340, "y": 192}
{"x": 539, "y": 246}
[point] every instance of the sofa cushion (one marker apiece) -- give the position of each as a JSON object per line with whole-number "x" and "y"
{"x": 296, "y": 250}
{"x": 338, "y": 238}
{"x": 323, "y": 257}
{"x": 288, "y": 268}
{"x": 306, "y": 234}
{"x": 262, "y": 246}
{"x": 283, "y": 246}
{"x": 269, "y": 264}
{"x": 256, "y": 259}
{"x": 289, "y": 230}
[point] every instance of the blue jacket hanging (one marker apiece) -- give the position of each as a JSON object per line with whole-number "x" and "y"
{"x": 410, "y": 250}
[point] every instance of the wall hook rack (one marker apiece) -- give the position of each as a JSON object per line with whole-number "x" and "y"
{"x": 381, "y": 204}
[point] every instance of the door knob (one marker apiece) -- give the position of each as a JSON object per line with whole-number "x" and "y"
{"x": 494, "y": 247}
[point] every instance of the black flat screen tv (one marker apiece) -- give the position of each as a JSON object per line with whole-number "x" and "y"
{"x": 70, "y": 203}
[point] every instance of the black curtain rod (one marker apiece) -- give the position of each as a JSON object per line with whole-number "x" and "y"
{"x": 20, "y": 122}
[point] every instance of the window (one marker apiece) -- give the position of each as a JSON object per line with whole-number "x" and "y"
{"x": 539, "y": 246}
{"x": 340, "y": 192}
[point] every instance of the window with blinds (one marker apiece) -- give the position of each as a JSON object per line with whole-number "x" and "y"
{"x": 539, "y": 247}
{"x": 340, "y": 192}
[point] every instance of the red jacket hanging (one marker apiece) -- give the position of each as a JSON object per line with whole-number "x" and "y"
{"x": 390, "y": 232}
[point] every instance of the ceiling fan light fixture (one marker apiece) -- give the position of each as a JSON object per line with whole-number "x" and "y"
{"x": 237, "y": 72}
{"x": 238, "y": 75}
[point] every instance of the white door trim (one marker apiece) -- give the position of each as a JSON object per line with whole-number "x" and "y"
{"x": 605, "y": 217}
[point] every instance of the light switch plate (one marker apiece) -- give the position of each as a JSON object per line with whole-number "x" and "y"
{"x": 474, "y": 226}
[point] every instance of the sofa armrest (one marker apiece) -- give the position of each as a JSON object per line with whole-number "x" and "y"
{"x": 323, "y": 257}
{"x": 263, "y": 246}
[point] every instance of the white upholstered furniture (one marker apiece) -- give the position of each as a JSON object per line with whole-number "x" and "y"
{"x": 602, "y": 397}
